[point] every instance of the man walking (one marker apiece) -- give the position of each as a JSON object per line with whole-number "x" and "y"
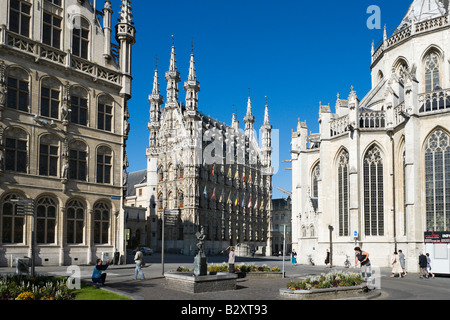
{"x": 139, "y": 260}
{"x": 423, "y": 265}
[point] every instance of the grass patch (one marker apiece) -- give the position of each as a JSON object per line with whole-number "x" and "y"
{"x": 88, "y": 292}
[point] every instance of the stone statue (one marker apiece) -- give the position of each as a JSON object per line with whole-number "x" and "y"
{"x": 201, "y": 239}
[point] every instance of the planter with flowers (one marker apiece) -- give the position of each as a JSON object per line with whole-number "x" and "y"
{"x": 333, "y": 285}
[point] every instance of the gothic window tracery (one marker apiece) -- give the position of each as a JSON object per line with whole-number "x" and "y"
{"x": 46, "y": 211}
{"x": 343, "y": 193}
{"x": 75, "y": 221}
{"x": 12, "y": 223}
{"x": 437, "y": 181}
{"x": 102, "y": 214}
{"x": 432, "y": 72}
{"x": 373, "y": 193}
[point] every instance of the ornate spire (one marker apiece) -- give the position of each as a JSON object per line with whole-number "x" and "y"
{"x": 156, "y": 101}
{"x": 192, "y": 87}
{"x": 172, "y": 78}
{"x": 249, "y": 119}
{"x": 126, "y": 15}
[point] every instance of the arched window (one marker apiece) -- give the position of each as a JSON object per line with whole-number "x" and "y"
{"x": 50, "y": 98}
{"x": 80, "y": 39}
{"x": 79, "y": 106}
{"x": 343, "y": 193}
{"x": 373, "y": 193}
{"x": 18, "y": 90}
{"x": 437, "y": 181}
{"x": 315, "y": 181}
{"x": 101, "y": 223}
{"x": 104, "y": 165}
{"x": 180, "y": 199}
{"x": 432, "y": 70}
{"x": 401, "y": 69}
{"x": 12, "y": 223}
{"x": 46, "y": 220}
{"x": 48, "y": 156}
{"x": 16, "y": 142}
{"x": 75, "y": 221}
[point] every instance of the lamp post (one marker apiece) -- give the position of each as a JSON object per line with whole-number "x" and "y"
{"x": 330, "y": 227}
{"x": 26, "y": 207}
{"x": 284, "y": 245}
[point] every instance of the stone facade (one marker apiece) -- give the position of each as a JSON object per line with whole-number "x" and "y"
{"x": 63, "y": 128}
{"x": 203, "y": 173}
{"x": 379, "y": 167}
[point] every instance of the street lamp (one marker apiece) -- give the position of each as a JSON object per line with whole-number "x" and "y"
{"x": 284, "y": 245}
{"x": 330, "y": 227}
{"x": 26, "y": 207}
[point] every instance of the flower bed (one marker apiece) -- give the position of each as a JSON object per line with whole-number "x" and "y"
{"x": 327, "y": 286}
{"x": 34, "y": 288}
{"x": 326, "y": 281}
{"x": 242, "y": 269}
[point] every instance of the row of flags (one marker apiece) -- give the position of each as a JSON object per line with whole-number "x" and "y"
{"x": 250, "y": 205}
{"x": 236, "y": 175}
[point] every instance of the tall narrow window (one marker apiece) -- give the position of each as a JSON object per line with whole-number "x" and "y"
{"x": 16, "y": 150}
{"x": 19, "y": 17}
{"x": 18, "y": 90}
{"x": 104, "y": 165}
{"x": 79, "y": 106}
{"x": 373, "y": 193}
{"x": 315, "y": 181}
{"x": 46, "y": 220}
{"x": 104, "y": 114}
{"x": 432, "y": 64}
{"x": 12, "y": 223}
{"x": 51, "y": 30}
{"x": 101, "y": 223}
{"x": 50, "y": 99}
{"x": 75, "y": 222}
{"x": 78, "y": 161}
{"x": 80, "y": 40}
{"x": 343, "y": 193}
{"x": 48, "y": 156}
{"x": 437, "y": 181}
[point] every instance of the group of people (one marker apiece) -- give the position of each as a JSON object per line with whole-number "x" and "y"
{"x": 99, "y": 277}
{"x": 425, "y": 266}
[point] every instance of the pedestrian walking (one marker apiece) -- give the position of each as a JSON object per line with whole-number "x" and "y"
{"x": 139, "y": 260}
{"x": 429, "y": 265}
{"x": 327, "y": 259}
{"x": 396, "y": 267}
{"x": 401, "y": 257}
{"x": 294, "y": 256}
{"x": 423, "y": 265}
{"x": 363, "y": 258}
{"x": 231, "y": 260}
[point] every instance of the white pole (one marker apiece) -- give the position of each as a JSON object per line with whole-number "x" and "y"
{"x": 284, "y": 245}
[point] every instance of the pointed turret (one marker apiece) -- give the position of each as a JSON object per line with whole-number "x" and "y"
{"x": 266, "y": 131}
{"x": 126, "y": 37}
{"x": 172, "y": 78}
{"x": 249, "y": 119}
{"x": 107, "y": 14}
{"x": 192, "y": 87}
{"x": 156, "y": 100}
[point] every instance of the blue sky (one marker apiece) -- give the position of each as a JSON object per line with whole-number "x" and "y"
{"x": 296, "y": 52}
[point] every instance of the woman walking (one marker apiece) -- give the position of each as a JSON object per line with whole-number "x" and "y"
{"x": 396, "y": 266}
{"x": 429, "y": 265}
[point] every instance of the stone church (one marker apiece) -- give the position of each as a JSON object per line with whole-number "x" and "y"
{"x": 64, "y": 87}
{"x": 204, "y": 174}
{"x": 377, "y": 174}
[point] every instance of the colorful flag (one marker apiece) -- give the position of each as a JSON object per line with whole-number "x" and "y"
{"x": 220, "y": 199}
{"x": 205, "y": 193}
{"x": 236, "y": 201}
{"x": 229, "y": 198}
{"x": 214, "y": 194}
{"x": 243, "y": 176}
{"x": 212, "y": 170}
{"x": 250, "y": 178}
{"x": 236, "y": 175}
{"x": 250, "y": 203}
{"x": 229, "y": 172}
{"x": 256, "y": 204}
{"x": 262, "y": 204}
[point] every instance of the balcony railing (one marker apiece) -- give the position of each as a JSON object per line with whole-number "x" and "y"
{"x": 61, "y": 58}
{"x": 434, "y": 101}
